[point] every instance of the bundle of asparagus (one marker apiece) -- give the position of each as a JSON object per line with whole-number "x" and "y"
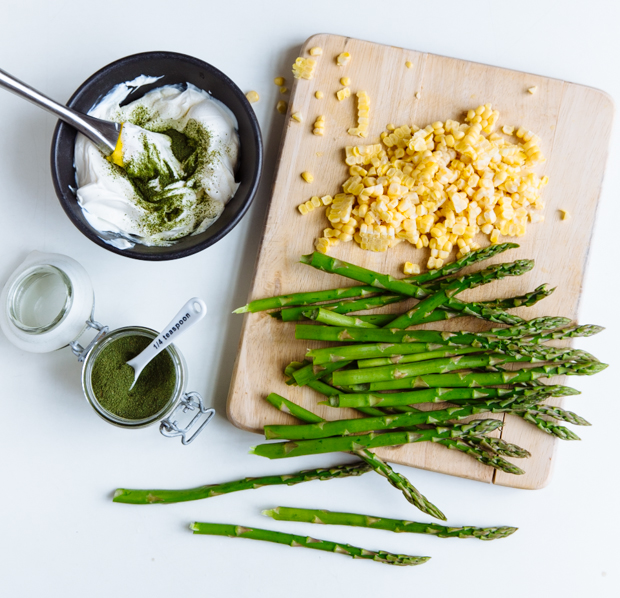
{"x": 382, "y": 353}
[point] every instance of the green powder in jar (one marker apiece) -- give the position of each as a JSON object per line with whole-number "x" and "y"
{"x": 111, "y": 379}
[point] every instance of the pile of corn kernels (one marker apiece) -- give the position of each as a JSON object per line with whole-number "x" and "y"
{"x": 437, "y": 187}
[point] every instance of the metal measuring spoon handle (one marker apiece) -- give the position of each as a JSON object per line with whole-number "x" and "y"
{"x": 189, "y": 315}
{"x": 102, "y": 133}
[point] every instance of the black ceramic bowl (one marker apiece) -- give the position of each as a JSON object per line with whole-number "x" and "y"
{"x": 176, "y": 69}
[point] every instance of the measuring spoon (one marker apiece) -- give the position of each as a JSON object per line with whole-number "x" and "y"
{"x": 189, "y": 315}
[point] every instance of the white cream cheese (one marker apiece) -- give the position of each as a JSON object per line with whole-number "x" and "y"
{"x": 158, "y": 198}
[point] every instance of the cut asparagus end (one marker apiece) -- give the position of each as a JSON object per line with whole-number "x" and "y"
{"x": 242, "y": 310}
{"x": 118, "y": 493}
{"x": 306, "y": 259}
{"x": 194, "y": 527}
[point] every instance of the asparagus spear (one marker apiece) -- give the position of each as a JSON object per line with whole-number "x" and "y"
{"x": 399, "y": 481}
{"x": 526, "y": 300}
{"x": 548, "y": 427}
{"x": 478, "y": 379}
{"x": 147, "y": 497}
{"x": 305, "y": 298}
{"x": 440, "y": 395}
{"x": 392, "y": 525}
{"x": 448, "y": 364}
{"x": 466, "y": 446}
{"x": 325, "y": 316}
{"x": 311, "y": 372}
{"x": 280, "y": 450}
{"x": 238, "y": 531}
{"x": 449, "y": 289}
{"x": 383, "y": 335}
{"x": 293, "y": 314}
{"x": 499, "y": 446}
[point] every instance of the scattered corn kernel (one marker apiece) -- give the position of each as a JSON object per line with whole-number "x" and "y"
{"x": 410, "y": 268}
{"x": 316, "y": 201}
{"x": 408, "y": 64}
{"x": 564, "y": 214}
{"x": 282, "y": 107}
{"x": 252, "y": 97}
{"x": 318, "y": 95}
{"x": 345, "y": 81}
{"x": 304, "y": 68}
{"x": 508, "y": 130}
{"x": 283, "y": 89}
{"x": 533, "y": 89}
{"x": 316, "y": 51}
{"x": 306, "y": 176}
{"x": 303, "y": 208}
{"x": 297, "y": 116}
{"x": 343, "y": 94}
{"x": 417, "y": 95}
{"x": 319, "y": 125}
{"x": 363, "y": 115}
{"x": 326, "y": 199}
{"x": 279, "y": 81}
{"x": 343, "y": 59}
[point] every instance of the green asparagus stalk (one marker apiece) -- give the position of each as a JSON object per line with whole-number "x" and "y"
{"x": 392, "y": 525}
{"x": 448, "y": 364}
{"x": 383, "y": 335}
{"x": 305, "y": 298}
{"x": 557, "y": 413}
{"x": 148, "y": 497}
{"x": 416, "y": 357}
{"x": 448, "y": 290}
{"x": 319, "y": 445}
{"x": 373, "y": 350}
{"x": 478, "y": 379}
{"x": 310, "y": 373}
{"x": 293, "y": 314}
{"x": 238, "y": 531}
{"x": 441, "y": 395}
{"x": 399, "y": 481}
{"x": 468, "y": 260}
{"x": 325, "y": 316}
{"x": 466, "y": 446}
{"x": 499, "y": 446}
{"x": 548, "y": 427}
{"x": 526, "y": 300}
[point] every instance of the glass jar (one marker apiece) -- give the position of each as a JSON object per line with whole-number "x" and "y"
{"x": 48, "y": 303}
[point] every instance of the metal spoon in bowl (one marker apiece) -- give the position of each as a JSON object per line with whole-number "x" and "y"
{"x": 104, "y": 134}
{"x": 191, "y": 313}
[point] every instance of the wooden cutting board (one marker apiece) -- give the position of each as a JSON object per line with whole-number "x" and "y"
{"x": 574, "y": 124}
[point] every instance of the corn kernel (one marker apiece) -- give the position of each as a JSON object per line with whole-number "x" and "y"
{"x": 564, "y": 214}
{"x": 532, "y": 90}
{"x": 343, "y": 59}
{"x": 417, "y": 95}
{"x": 316, "y": 202}
{"x": 306, "y": 176}
{"x": 316, "y": 51}
{"x": 508, "y": 130}
{"x": 318, "y": 95}
{"x": 303, "y": 68}
{"x": 344, "y": 81}
{"x": 409, "y": 64}
{"x": 279, "y": 81}
{"x": 326, "y": 199}
{"x": 410, "y": 268}
{"x": 283, "y": 89}
{"x": 297, "y": 117}
{"x": 282, "y": 107}
{"x": 303, "y": 208}
{"x": 342, "y": 94}
{"x": 252, "y": 97}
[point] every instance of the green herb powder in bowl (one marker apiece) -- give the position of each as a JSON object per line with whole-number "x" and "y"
{"x": 111, "y": 379}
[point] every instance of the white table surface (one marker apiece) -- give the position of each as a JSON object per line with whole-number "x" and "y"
{"x": 60, "y": 534}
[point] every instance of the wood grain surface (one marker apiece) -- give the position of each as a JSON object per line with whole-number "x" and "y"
{"x": 574, "y": 124}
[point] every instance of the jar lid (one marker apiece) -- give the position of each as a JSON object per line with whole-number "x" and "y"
{"x": 46, "y": 302}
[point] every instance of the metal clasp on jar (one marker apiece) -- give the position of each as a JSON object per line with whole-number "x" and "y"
{"x": 189, "y": 402}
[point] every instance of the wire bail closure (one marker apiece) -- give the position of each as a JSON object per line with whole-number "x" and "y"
{"x": 189, "y": 402}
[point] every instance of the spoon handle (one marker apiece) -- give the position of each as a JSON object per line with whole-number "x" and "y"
{"x": 189, "y": 315}
{"x": 104, "y": 134}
